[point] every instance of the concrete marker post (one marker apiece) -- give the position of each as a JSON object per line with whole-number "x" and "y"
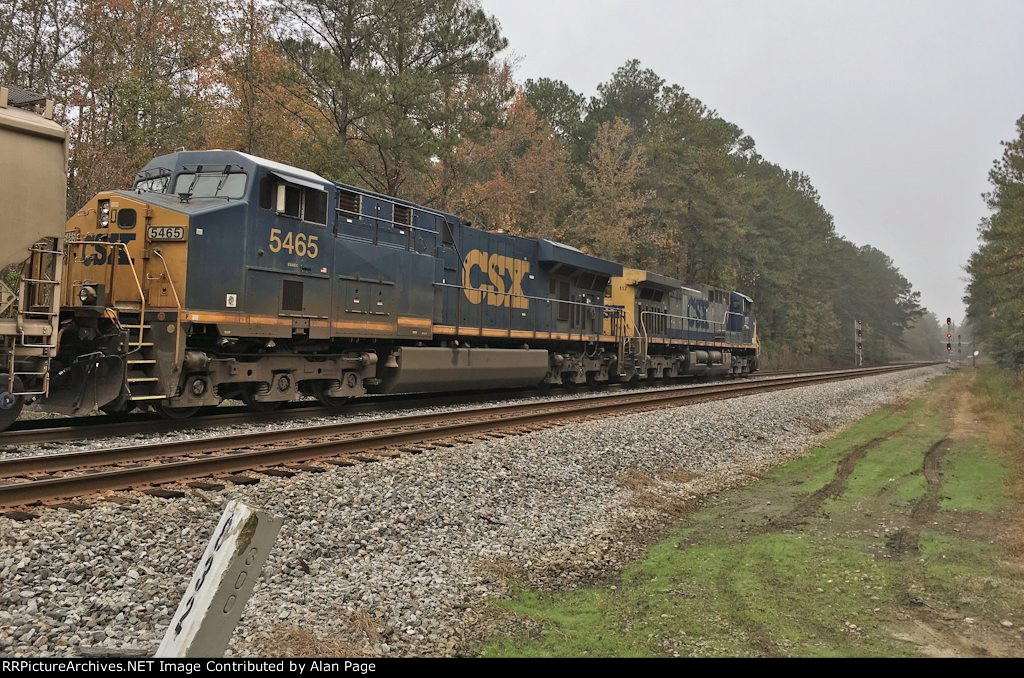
{"x": 222, "y": 583}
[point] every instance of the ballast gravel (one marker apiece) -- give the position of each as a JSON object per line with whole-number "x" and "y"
{"x": 399, "y": 557}
{"x": 362, "y": 409}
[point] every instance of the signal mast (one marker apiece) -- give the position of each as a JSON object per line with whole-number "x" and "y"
{"x": 858, "y": 342}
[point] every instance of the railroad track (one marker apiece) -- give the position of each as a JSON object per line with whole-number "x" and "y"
{"x": 212, "y": 463}
{"x": 39, "y": 431}
{"x": 67, "y": 429}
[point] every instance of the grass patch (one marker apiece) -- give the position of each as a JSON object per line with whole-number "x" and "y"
{"x": 911, "y": 489}
{"x": 815, "y": 471}
{"x": 974, "y": 479}
{"x": 771, "y": 594}
{"x": 753, "y": 575}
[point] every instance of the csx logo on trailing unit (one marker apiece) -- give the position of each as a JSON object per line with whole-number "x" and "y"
{"x": 495, "y": 277}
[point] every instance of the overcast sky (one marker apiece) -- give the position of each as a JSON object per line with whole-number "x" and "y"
{"x": 895, "y": 109}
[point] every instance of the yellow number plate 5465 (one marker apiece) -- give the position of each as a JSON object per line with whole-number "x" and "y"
{"x": 165, "y": 233}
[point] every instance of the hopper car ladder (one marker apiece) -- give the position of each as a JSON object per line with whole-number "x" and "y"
{"x": 30, "y": 342}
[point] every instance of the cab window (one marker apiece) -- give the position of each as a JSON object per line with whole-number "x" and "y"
{"x": 298, "y": 202}
{"x": 211, "y": 184}
{"x": 157, "y": 184}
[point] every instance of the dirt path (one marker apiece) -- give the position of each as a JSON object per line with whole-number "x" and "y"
{"x": 906, "y": 540}
{"x": 834, "y": 488}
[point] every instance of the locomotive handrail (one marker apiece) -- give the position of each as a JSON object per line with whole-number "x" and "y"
{"x": 177, "y": 299}
{"x": 395, "y": 224}
{"x": 643, "y": 323}
{"x": 177, "y": 303}
{"x": 527, "y": 296}
{"x": 113, "y": 268}
{"x": 690, "y": 317}
{"x": 375, "y": 223}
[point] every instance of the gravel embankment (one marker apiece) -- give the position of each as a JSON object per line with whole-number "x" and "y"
{"x": 398, "y": 557}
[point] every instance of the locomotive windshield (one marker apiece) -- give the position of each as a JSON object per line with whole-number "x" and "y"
{"x": 152, "y": 184}
{"x": 211, "y": 184}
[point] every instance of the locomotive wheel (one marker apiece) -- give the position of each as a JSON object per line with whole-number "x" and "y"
{"x": 174, "y": 412}
{"x": 10, "y": 405}
{"x": 248, "y": 396}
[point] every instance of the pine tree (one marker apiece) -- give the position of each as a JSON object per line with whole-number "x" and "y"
{"x": 995, "y": 293}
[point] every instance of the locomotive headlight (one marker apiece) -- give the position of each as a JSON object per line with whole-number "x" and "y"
{"x": 87, "y": 295}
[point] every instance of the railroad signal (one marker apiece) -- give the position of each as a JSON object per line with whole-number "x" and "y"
{"x": 858, "y": 342}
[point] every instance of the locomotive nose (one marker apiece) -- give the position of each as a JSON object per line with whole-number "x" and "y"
{"x": 101, "y": 236}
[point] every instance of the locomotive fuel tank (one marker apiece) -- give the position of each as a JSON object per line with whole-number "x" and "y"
{"x": 411, "y": 369}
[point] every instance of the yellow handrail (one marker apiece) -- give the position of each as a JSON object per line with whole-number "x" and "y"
{"x": 177, "y": 303}
{"x": 135, "y": 275}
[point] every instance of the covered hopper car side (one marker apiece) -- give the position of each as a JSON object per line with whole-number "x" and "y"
{"x": 33, "y": 163}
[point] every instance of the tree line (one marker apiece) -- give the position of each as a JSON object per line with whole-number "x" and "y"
{"x": 995, "y": 290}
{"x": 414, "y": 98}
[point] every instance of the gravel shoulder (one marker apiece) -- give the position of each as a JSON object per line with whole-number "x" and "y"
{"x": 400, "y": 557}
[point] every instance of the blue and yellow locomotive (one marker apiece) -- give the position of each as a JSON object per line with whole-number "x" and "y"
{"x": 222, "y": 275}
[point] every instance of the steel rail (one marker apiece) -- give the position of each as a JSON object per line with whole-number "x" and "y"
{"x": 89, "y": 427}
{"x": 239, "y": 454}
{"x": 36, "y": 431}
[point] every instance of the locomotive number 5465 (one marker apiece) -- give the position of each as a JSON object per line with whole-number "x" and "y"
{"x": 295, "y": 243}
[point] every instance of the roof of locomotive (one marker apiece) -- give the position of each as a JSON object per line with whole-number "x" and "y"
{"x": 175, "y": 162}
{"x": 548, "y": 250}
{"x": 560, "y": 253}
{"x": 172, "y": 162}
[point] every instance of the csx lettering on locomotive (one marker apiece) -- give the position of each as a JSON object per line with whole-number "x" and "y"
{"x": 495, "y": 277}
{"x": 103, "y": 254}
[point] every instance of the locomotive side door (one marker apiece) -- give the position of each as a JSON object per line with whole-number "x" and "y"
{"x": 447, "y": 272}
